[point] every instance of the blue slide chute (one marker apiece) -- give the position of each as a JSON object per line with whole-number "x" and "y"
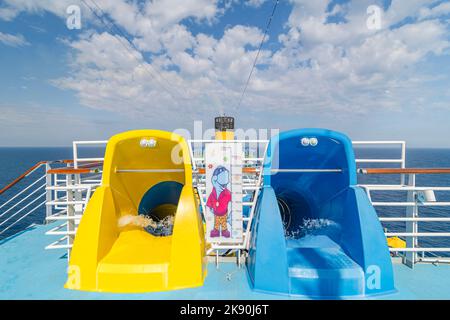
{"x": 315, "y": 232}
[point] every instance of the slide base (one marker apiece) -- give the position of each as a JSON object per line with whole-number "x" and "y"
{"x": 319, "y": 268}
{"x": 137, "y": 262}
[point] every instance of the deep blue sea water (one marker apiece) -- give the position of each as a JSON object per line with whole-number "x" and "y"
{"x": 14, "y": 161}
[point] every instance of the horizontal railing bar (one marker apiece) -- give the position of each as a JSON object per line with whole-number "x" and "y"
{"x": 228, "y": 141}
{"x": 70, "y": 187}
{"x": 404, "y": 170}
{"x": 410, "y": 204}
{"x": 67, "y": 171}
{"x": 379, "y": 142}
{"x": 64, "y": 217}
{"x": 148, "y": 170}
{"x": 56, "y": 245}
{"x": 424, "y": 219}
{"x": 245, "y": 170}
{"x": 243, "y": 159}
{"x": 305, "y": 170}
{"x": 435, "y": 259}
{"x": 84, "y": 142}
{"x": 227, "y": 246}
{"x": 90, "y": 159}
{"x": 419, "y": 249}
{"x": 417, "y": 234}
{"x": 369, "y": 186}
{"x": 405, "y": 188}
{"x": 379, "y": 160}
{"x": 58, "y": 203}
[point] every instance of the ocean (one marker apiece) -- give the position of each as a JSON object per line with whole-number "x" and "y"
{"x": 14, "y": 161}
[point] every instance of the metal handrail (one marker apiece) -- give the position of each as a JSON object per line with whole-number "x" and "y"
{"x": 401, "y": 161}
{"x": 412, "y": 205}
{"x": 24, "y": 216}
{"x": 26, "y": 206}
{"x": 26, "y": 197}
{"x": 80, "y": 165}
{"x": 29, "y": 172}
{"x": 17, "y": 203}
{"x": 77, "y": 159}
{"x": 404, "y": 171}
{"x": 22, "y": 176}
{"x": 20, "y": 193}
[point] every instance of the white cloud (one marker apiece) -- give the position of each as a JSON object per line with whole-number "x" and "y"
{"x": 8, "y": 14}
{"x": 255, "y": 3}
{"x": 436, "y": 11}
{"x": 168, "y": 12}
{"x": 32, "y": 6}
{"x": 401, "y": 9}
{"x": 13, "y": 40}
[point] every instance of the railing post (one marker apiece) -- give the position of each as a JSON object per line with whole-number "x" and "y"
{"x": 70, "y": 213}
{"x": 75, "y": 155}
{"x": 78, "y": 194}
{"x": 403, "y": 164}
{"x": 48, "y": 195}
{"x": 411, "y": 226}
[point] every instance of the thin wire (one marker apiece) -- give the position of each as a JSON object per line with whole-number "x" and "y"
{"x": 145, "y": 65}
{"x": 269, "y": 22}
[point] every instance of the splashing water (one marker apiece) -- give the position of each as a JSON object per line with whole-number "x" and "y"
{"x": 153, "y": 225}
{"x": 310, "y": 226}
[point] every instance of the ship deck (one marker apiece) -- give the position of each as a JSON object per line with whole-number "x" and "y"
{"x": 28, "y": 271}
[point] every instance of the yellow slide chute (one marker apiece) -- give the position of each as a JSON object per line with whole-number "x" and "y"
{"x": 144, "y": 171}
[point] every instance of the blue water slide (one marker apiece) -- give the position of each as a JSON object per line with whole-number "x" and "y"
{"x": 315, "y": 232}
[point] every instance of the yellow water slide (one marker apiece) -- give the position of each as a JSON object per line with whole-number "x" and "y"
{"x": 145, "y": 172}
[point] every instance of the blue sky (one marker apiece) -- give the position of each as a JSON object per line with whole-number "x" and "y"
{"x": 321, "y": 66}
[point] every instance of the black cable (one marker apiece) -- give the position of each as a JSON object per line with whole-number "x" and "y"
{"x": 269, "y": 22}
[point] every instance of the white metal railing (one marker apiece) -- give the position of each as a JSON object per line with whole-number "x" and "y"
{"x": 77, "y": 159}
{"x": 70, "y": 197}
{"x": 416, "y": 200}
{"x": 71, "y": 191}
{"x": 411, "y": 216}
{"x": 401, "y": 161}
{"x": 67, "y": 195}
{"x": 73, "y": 204}
{"x": 25, "y": 201}
{"x": 252, "y": 183}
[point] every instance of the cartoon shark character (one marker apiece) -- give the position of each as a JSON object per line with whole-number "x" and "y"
{"x": 219, "y": 200}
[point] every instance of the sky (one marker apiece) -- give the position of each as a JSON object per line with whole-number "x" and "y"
{"x": 373, "y": 69}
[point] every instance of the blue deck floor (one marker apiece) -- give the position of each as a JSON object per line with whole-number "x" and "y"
{"x": 27, "y": 271}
